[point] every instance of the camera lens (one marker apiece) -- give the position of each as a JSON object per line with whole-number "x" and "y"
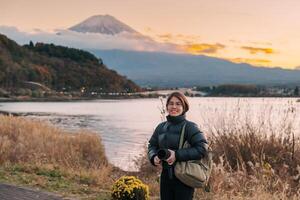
{"x": 163, "y": 154}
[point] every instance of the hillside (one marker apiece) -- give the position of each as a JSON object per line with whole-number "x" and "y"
{"x": 57, "y": 67}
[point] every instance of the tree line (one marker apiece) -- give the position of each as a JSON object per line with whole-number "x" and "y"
{"x": 57, "y": 67}
{"x": 248, "y": 90}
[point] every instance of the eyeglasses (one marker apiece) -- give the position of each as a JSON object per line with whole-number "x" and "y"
{"x": 177, "y": 104}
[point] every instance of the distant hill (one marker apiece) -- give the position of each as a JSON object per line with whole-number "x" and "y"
{"x": 57, "y": 67}
{"x": 181, "y": 70}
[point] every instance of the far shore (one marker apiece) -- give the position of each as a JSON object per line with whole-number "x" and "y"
{"x": 73, "y": 99}
{"x": 67, "y": 99}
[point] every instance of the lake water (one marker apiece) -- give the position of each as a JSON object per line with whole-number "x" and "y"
{"x": 125, "y": 126}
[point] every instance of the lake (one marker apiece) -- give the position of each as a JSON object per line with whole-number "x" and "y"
{"x": 125, "y": 126}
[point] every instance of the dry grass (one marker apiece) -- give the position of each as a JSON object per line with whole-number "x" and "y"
{"x": 75, "y": 162}
{"x": 148, "y": 173}
{"x": 257, "y": 157}
{"x": 24, "y": 141}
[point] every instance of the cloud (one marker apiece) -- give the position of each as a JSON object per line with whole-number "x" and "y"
{"x": 202, "y": 48}
{"x": 255, "y": 50}
{"x": 165, "y": 37}
{"x": 262, "y": 43}
{"x": 124, "y": 41}
{"x": 250, "y": 42}
{"x": 148, "y": 29}
{"x": 257, "y": 62}
{"x": 177, "y": 38}
{"x": 172, "y": 38}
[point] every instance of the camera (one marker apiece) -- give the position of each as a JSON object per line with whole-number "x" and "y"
{"x": 163, "y": 154}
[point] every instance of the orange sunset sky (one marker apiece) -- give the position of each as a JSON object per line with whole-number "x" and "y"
{"x": 259, "y": 32}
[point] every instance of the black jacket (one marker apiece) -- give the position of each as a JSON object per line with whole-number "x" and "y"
{"x": 167, "y": 135}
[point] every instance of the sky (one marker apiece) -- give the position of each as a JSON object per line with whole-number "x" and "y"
{"x": 259, "y": 32}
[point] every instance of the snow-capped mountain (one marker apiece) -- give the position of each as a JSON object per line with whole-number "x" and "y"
{"x": 104, "y": 24}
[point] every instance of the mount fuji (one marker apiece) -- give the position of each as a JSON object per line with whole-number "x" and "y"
{"x": 104, "y": 24}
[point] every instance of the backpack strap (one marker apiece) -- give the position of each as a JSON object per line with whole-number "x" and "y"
{"x": 182, "y": 136}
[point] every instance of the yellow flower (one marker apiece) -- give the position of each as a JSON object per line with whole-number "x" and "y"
{"x": 128, "y": 188}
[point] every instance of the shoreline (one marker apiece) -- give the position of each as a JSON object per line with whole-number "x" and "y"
{"x": 74, "y": 99}
{"x": 5, "y": 113}
{"x": 70, "y": 99}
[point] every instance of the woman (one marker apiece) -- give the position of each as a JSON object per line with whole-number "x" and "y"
{"x": 166, "y": 137}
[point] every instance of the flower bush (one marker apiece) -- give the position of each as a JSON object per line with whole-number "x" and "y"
{"x": 130, "y": 188}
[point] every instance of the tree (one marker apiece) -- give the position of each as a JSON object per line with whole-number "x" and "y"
{"x": 296, "y": 91}
{"x": 31, "y": 45}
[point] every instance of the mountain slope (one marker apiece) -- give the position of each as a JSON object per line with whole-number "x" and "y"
{"x": 57, "y": 67}
{"x": 177, "y": 70}
{"x": 104, "y": 24}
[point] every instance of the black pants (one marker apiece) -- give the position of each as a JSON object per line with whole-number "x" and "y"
{"x": 174, "y": 189}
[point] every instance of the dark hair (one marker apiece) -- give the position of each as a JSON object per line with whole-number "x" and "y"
{"x": 182, "y": 99}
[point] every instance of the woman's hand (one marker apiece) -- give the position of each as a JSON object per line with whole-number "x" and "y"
{"x": 172, "y": 157}
{"x": 157, "y": 161}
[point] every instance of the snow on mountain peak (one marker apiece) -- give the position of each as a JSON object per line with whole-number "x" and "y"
{"x": 104, "y": 24}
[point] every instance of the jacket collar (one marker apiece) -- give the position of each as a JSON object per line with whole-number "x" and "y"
{"x": 176, "y": 119}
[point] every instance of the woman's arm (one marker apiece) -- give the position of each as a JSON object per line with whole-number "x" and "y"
{"x": 153, "y": 145}
{"x": 197, "y": 141}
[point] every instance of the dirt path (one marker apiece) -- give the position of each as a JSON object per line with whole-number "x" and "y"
{"x": 11, "y": 192}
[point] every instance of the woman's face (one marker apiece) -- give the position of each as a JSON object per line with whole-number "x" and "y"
{"x": 175, "y": 107}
